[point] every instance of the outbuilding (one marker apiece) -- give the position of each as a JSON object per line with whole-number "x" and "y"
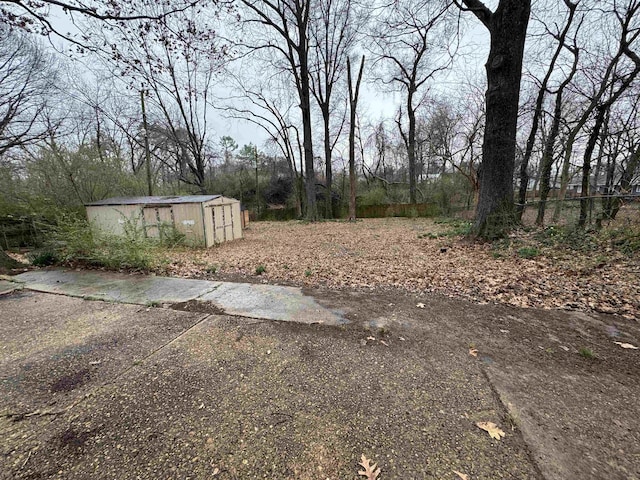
{"x": 205, "y": 220}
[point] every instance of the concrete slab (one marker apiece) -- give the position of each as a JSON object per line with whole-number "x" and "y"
{"x": 270, "y": 302}
{"x": 230, "y": 398}
{"x": 54, "y": 349}
{"x": 137, "y": 289}
{"x": 8, "y": 287}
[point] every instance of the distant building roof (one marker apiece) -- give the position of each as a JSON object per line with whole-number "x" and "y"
{"x": 154, "y": 200}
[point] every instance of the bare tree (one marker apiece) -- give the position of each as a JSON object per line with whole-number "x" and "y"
{"x": 622, "y": 81}
{"x": 34, "y": 16}
{"x": 174, "y": 64}
{"x": 507, "y": 26}
{"x": 354, "y": 93}
{"x": 412, "y": 44}
{"x": 333, "y": 28}
{"x": 27, "y": 87}
{"x": 620, "y": 70}
{"x": 270, "y": 108}
{"x": 286, "y": 25}
{"x": 560, "y": 37}
{"x": 547, "y": 161}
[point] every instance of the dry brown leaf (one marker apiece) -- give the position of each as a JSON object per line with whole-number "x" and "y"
{"x": 328, "y": 249}
{"x": 461, "y": 475}
{"x": 492, "y": 429}
{"x": 370, "y": 471}
{"x": 473, "y": 352}
{"x": 626, "y": 345}
{"x": 384, "y": 343}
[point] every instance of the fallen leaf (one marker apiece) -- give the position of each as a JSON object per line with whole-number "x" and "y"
{"x": 384, "y": 343}
{"x": 492, "y": 429}
{"x": 370, "y": 471}
{"x": 461, "y": 475}
{"x": 373, "y": 339}
{"x": 626, "y": 345}
{"x": 420, "y": 305}
{"x": 502, "y": 330}
{"x": 473, "y": 351}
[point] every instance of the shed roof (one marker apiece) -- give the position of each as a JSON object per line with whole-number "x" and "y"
{"x": 154, "y": 200}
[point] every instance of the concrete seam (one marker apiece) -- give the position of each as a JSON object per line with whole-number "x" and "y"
{"x": 498, "y": 399}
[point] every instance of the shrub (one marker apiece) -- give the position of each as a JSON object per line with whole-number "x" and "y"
{"x": 74, "y": 239}
{"x": 43, "y": 258}
{"x": 260, "y": 269}
{"x": 211, "y": 269}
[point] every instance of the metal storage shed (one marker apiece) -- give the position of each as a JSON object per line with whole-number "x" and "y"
{"x": 206, "y": 220}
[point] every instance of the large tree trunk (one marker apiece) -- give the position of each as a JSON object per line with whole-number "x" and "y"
{"x": 353, "y": 104}
{"x": 585, "y": 200}
{"x": 305, "y": 105}
{"x": 328, "y": 167}
{"x": 508, "y": 29}
{"x": 547, "y": 159}
{"x": 411, "y": 147}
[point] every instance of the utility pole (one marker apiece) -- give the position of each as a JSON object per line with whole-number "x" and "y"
{"x": 146, "y": 142}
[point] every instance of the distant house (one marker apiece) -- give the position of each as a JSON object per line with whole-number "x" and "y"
{"x": 600, "y": 186}
{"x": 205, "y": 220}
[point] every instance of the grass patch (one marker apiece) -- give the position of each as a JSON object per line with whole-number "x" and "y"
{"x": 587, "y": 353}
{"x": 528, "y": 252}
{"x": 260, "y": 269}
{"x": 455, "y": 227}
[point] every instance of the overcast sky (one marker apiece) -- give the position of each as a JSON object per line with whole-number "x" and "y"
{"x": 376, "y": 102}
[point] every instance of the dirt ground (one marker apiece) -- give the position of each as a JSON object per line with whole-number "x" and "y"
{"x": 420, "y": 255}
{"x": 103, "y": 390}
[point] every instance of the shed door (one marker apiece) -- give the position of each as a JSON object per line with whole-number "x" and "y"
{"x": 222, "y": 223}
{"x": 155, "y": 218}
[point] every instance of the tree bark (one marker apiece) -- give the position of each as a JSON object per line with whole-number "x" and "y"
{"x": 585, "y": 201}
{"x": 507, "y": 26}
{"x": 328, "y": 167}
{"x": 411, "y": 146}
{"x": 353, "y": 104}
{"x": 625, "y": 182}
{"x": 547, "y": 158}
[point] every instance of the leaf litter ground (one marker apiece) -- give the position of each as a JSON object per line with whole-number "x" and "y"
{"x": 420, "y": 255}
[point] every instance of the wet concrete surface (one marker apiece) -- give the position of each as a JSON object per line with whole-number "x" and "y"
{"x": 8, "y": 287}
{"x": 269, "y": 302}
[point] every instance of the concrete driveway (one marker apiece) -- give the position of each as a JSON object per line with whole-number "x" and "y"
{"x": 95, "y": 389}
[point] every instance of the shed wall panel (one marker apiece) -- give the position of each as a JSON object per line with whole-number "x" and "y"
{"x": 188, "y": 220}
{"x": 111, "y": 219}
